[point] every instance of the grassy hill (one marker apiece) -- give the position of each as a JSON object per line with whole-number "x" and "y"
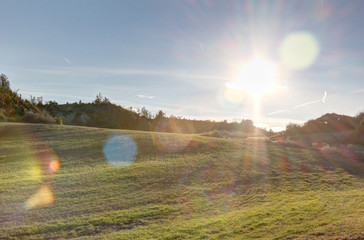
{"x": 173, "y": 186}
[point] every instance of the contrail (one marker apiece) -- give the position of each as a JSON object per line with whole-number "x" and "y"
{"x": 307, "y": 103}
{"x": 276, "y": 112}
{"x": 66, "y": 59}
{"x": 323, "y": 99}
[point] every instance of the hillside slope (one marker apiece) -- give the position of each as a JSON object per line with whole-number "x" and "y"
{"x": 172, "y": 186}
{"x": 330, "y": 129}
{"x": 13, "y": 107}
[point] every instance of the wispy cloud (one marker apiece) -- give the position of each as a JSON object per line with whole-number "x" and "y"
{"x": 47, "y": 71}
{"x": 206, "y": 81}
{"x": 145, "y": 96}
{"x": 67, "y": 60}
{"x": 202, "y": 47}
{"x": 358, "y": 91}
{"x": 86, "y": 71}
{"x": 55, "y": 94}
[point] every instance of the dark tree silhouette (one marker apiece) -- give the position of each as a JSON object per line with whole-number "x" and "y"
{"x": 5, "y": 82}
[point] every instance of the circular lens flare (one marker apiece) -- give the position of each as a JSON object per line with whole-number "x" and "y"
{"x": 169, "y": 142}
{"x": 299, "y": 50}
{"x": 54, "y": 165}
{"x": 42, "y": 197}
{"x": 120, "y": 150}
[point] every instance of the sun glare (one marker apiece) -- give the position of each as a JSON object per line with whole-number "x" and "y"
{"x": 256, "y": 78}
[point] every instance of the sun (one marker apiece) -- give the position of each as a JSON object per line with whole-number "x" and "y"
{"x": 256, "y": 78}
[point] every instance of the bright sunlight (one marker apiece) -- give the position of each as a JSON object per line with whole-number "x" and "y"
{"x": 256, "y": 78}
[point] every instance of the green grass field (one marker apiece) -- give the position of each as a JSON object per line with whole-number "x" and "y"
{"x": 176, "y": 187}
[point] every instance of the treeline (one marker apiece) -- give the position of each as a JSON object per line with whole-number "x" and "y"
{"x": 102, "y": 113}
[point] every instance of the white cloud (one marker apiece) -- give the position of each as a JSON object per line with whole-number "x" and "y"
{"x": 145, "y": 96}
{"x": 324, "y": 98}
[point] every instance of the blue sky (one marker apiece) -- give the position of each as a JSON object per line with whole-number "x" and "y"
{"x": 179, "y": 56}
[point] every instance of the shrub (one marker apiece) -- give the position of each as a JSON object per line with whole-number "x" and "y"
{"x": 361, "y": 126}
{"x": 32, "y": 117}
{"x": 58, "y": 120}
{"x": 12, "y": 119}
{"x": 292, "y": 128}
{"x": 2, "y": 116}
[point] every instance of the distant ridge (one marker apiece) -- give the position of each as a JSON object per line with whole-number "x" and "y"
{"x": 331, "y": 129}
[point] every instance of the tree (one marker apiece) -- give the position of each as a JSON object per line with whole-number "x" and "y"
{"x": 33, "y": 100}
{"x": 98, "y": 98}
{"x": 247, "y": 125}
{"x": 292, "y": 128}
{"x": 160, "y": 115}
{"x": 145, "y": 113}
{"x": 158, "y": 121}
{"x": 5, "y": 82}
{"x": 40, "y": 101}
{"x": 101, "y": 100}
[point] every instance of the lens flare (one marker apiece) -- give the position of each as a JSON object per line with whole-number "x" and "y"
{"x": 39, "y": 163}
{"x": 54, "y": 164}
{"x": 299, "y": 50}
{"x": 233, "y": 95}
{"x": 168, "y": 142}
{"x": 33, "y": 166}
{"x": 41, "y": 198}
{"x": 229, "y": 98}
{"x": 119, "y": 150}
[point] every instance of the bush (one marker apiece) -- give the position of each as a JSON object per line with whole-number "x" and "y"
{"x": 293, "y": 128}
{"x": 32, "y": 117}
{"x": 2, "y": 116}
{"x": 361, "y": 126}
{"x": 58, "y": 120}
{"x": 12, "y": 119}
